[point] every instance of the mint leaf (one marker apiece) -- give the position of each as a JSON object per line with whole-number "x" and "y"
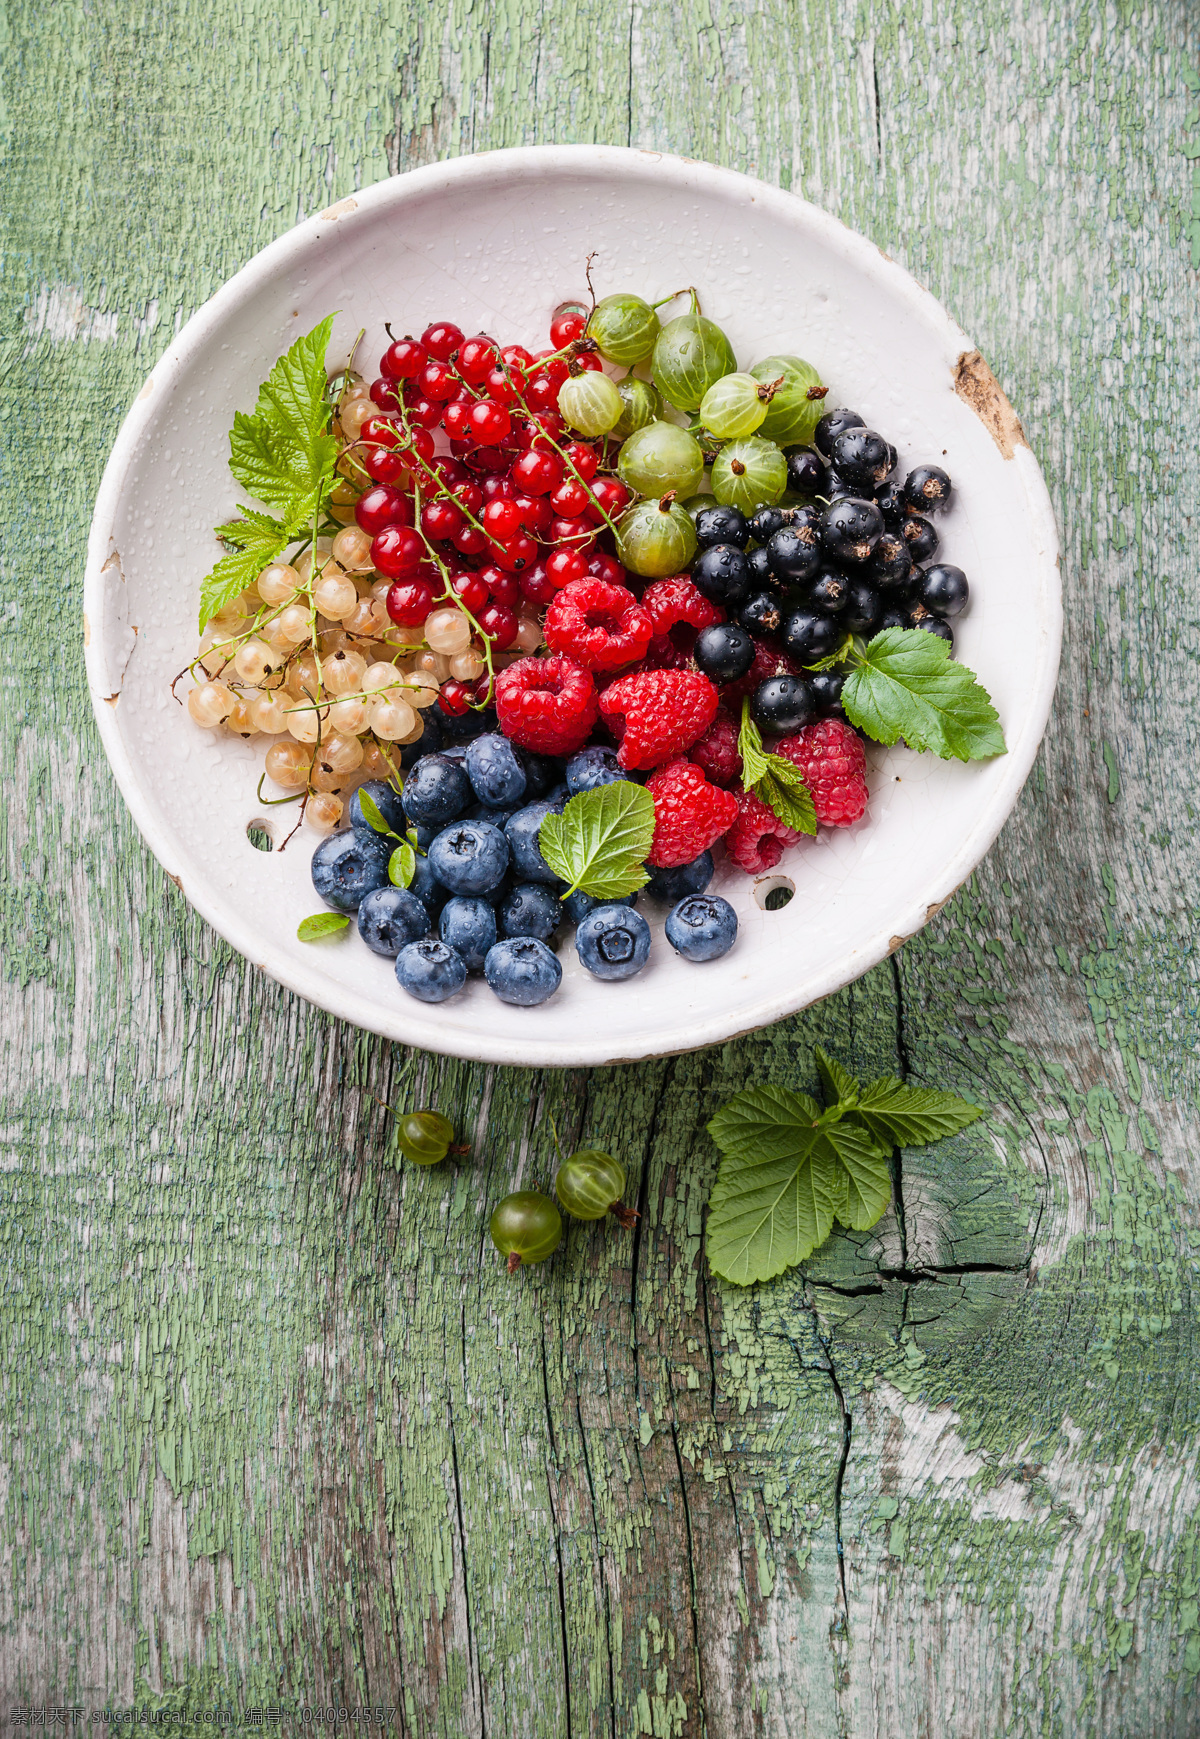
{"x": 321, "y": 924}
{"x": 601, "y": 839}
{"x": 911, "y": 1116}
{"x": 402, "y": 865}
{"x": 775, "y": 780}
{"x": 255, "y": 539}
{"x": 841, "y": 1089}
{"x": 283, "y": 454}
{"x": 868, "y": 1188}
{"x": 908, "y": 686}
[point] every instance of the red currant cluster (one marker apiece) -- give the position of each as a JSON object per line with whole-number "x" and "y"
{"x": 511, "y": 511}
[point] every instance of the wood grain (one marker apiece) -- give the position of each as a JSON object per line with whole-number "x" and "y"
{"x": 276, "y": 1429}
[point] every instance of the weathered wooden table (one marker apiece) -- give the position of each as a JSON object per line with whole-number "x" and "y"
{"x": 278, "y": 1431}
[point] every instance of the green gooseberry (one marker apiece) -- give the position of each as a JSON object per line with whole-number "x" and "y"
{"x": 793, "y": 413}
{"x": 691, "y": 353}
{"x": 623, "y": 328}
{"x": 661, "y": 457}
{"x": 655, "y": 538}
{"x": 642, "y": 405}
{"x": 424, "y": 1136}
{"x": 526, "y": 1227}
{"x": 591, "y": 403}
{"x": 590, "y": 1184}
{"x": 749, "y": 474}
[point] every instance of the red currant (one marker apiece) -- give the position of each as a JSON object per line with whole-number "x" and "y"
{"x": 584, "y": 459}
{"x": 500, "y": 625}
{"x": 423, "y": 412}
{"x": 504, "y": 588}
{"x": 442, "y": 339}
{"x": 438, "y": 380}
{"x": 403, "y": 359}
{"x": 514, "y": 553}
{"x": 469, "y": 540}
{"x": 455, "y": 419}
{"x": 589, "y": 362}
{"x": 489, "y": 423}
{"x": 440, "y": 520}
{"x": 475, "y": 357}
{"x": 455, "y": 698}
{"x": 547, "y": 426}
{"x": 609, "y": 495}
{"x": 542, "y": 393}
{"x": 499, "y": 388}
{"x": 554, "y": 369}
{"x": 535, "y": 512}
{"x": 536, "y": 584}
{"x": 501, "y": 518}
{"x": 537, "y": 473}
{"x": 409, "y": 602}
{"x": 383, "y": 394}
{"x": 568, "y": 324}
{"x": 382, "y": 506}
{"x": 570, "y": 498}
{"x": 421, "y": 443}
{"x": 471, "y": 588}
{"x": 449, "y": 470}
{"x": 602, "y": 566}
{"x": 517, "y": 357}
{"x": 397, "y": 550}
{"x": 380, "y": 432}
{"x": 565, "y": 565}
{"x": 489, "y": 461}
{"x": 578, "y": 533}
{"x": 383, "y": 464}
{"x": 469, "y": 495}
{"x": 497, "y": 489}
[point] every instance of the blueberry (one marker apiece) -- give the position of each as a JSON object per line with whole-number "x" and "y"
{"x": 831, "y": 426}
{"x": 759, "y": 564}
{"x": 721, "y": 525}
{"x": 557, "y": 795}
{"x": 828, "y": 593}
{"x": 541, "y": 772}
{"x": 783, "y": 703}
{"x": 436, "y": 791}
{"x": 430, "y": 971}
{"x": 722, "y": 573}
{"x": 724, "y": 651}
{"x": 578, "y": 905}
{"x": 943, "y": 590}
{"x": 863, "y": 457}
{"x": 456, "y": 752}
{"x": 462, "y": 727}
{"x": 388, "y": 918}
{"x": 485, "y": 812}
{"x": 387, "y": 801}
{"x": 672, "y": 885}
{"x": 702, "y": 927}
{"x": 761, "y": 613}
{"x": 927, "y": 489}
{"x": 530, "y": 909}
{"x": 469, "y": 857}
{"x": 921, "y": 538}
{"x": 347, "y": 866}
{"x": 807, "y": 473}
{"x": 850, "y": 529}
{"x": 593, "y": 767}
{"x": 810, "y": 636}
{"x": 522, "y": 970}
{"x": 428, "y": 743}
{"x": 792, "y": 556}
{"x": 469, "y": 927}
{"x": 863, "y": 608}
{"x": 496, "y": 771}
{"x": 521, "y": 831}
{"x": 613, "y": 942}
{"x": 826, "y": 688}
{"x": 766, "y": 522}
{"x": 426, "y": 887}
{"x": 919, "y": 617}
{"x": 889, "y": 499}
{"x": 890, "y": 568}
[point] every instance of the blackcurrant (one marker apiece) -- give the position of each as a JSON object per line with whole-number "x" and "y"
{"x": 828, "y": 593}
{"x": 838, "y": 487}
{"x": 831, "y": 426}
{"x": 766, "y": 522}
{"x": 784, "y": 704}
{"x": 863, "y": 608}
{"x": 893, "y": 617}
{"x": 724, "y": 652}
{"x": 807, "y": 471}
{"x": 919, "y": 617}
{"x": 762, "y": 613}
{"x": 792, "y": 557}
{"x": 850, "y": 529}
{"x": 759, "y": 563}
{"x": 590, "y": 1184}
{"x": 526, "y": 1227}
{"x": 921, "y": 538}
{"x": 722, "y": 573}
{"x": 891, "y": 503}
{"x": 826, "y": 688}
{"x": 863, "y": 457}
{"x": 810, "y": 636}
{"x": 943, "y": 590}
{"x": 424, "y": 1136}
{"x": 891, "y": 565}
{"x": 927, "y": 489}
{"x": 721, "y": 525}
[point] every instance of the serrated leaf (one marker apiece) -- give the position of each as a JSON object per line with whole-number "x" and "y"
{"x": 908, "y": 686}
{"x": 841, "y": 1089}
{"x": 766, "y": 1215}
{"x": 868, "y": 1176}
{"x": 372, "y": 814}
{"x": 761, "y": 1122}
{"x": 778, "y": 782}
{"x": 321, "y": 924}
{"x": 293, "y": 394}
{"x": 402, "y": 865}
{"x": 282, "y": 454}
{"x": 912, "y": 1116}
{"x": 600, "y": 841}
{"x": 256, "y": 539}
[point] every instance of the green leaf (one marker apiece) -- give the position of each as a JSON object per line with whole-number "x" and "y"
{"x": 321, "y": 924}
{"x": 779, "y": 784}
{"x": 293, "y": 394}
{"x": 601, "y": 839}
{"x": 761, "y": 1122}
{"x": 402, "y": 865}
{"x": 373, "y": 815}
{"x": 848, "y": 644}
{"x": 765, "y": 1216}
{"x": 841, "y": 1089}
{"x": 255, "y": 539}
{"x": 912, "y": 1116}
{"x": 868, "y": 1188}
{"x": 908, "y": 686}
{"x": 282, "y": 454}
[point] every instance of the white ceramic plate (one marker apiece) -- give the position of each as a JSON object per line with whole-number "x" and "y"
{"x": 495, "y": 242}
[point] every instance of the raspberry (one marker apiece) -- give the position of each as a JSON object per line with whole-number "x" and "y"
{"x": 600, "y": 625}
{"x": 756, "y": 840}
{"x": 677, "y": 610}
{"x": 689, "y": 814}
{"x": 717, "y": 750}
{"x": 664, "y": 710}
{"x": 769, "y": 660}
{"x": 832, "y": 759}
{"x": 546, "y": 704}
